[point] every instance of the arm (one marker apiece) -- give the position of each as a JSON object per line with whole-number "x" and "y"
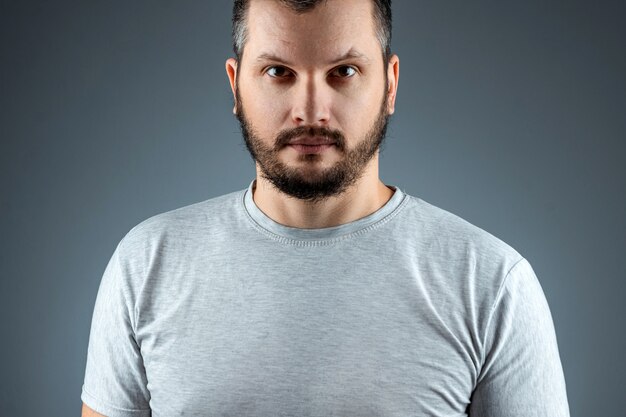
{"x": 88, "y": 412}
{"x": 521, "y": 373}
{"x": 115, "y": 379}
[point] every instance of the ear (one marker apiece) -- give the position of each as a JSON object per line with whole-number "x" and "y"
{"x": 231, "y": 71}
{"x": 393, "y": 76}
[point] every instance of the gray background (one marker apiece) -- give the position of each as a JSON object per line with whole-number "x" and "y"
{"x": 509, "y": 114}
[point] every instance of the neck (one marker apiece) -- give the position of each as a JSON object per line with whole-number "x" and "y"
{"x": 367, "y": 195}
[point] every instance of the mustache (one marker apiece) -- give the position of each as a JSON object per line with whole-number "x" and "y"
{"x": 285, "y": 136}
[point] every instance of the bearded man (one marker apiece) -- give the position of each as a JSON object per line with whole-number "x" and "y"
{"x": 318, "y": 290}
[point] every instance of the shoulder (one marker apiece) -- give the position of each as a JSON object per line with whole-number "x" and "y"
{"x": 464, "y": 264}
{"x": 185, "y": 221}
{"x": 179, "y": 231}
{"x": 459, "y": 246}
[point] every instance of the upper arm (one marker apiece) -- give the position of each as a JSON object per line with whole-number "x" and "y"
{"x": 115, "y": 378}
{"x": 522, "y": 373}
{"x": 88, "y": 412}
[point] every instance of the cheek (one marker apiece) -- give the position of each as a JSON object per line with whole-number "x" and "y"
{"x": 265, "y": 110}
{"x": 355, "y": 113}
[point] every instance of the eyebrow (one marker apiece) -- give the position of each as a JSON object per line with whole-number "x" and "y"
{"x": 351, "y": 54}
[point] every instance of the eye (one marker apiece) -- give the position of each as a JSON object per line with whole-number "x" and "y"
{"x": 279, "y": 73}
{"x": 342, "y": 71}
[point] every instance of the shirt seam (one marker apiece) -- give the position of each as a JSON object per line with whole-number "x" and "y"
{"x": 135, "y": 308}
{"x": 493, "y": 309}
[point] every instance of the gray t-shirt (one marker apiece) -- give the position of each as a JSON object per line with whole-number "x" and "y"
{"x": 214, "y": 309}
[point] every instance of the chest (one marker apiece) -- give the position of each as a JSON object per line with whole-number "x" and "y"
{"x": 294, "y": 346}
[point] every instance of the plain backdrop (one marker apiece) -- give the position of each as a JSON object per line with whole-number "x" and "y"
{"x": 509, "y": 114}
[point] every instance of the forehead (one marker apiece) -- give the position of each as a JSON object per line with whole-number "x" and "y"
{"x": 331, "y": 28}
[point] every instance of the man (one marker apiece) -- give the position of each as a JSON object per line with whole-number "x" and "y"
{"x": 318, "y": 290}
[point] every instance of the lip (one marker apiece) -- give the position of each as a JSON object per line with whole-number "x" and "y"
{"x": 315, "y": 149}
{"x": 312, "y": 141}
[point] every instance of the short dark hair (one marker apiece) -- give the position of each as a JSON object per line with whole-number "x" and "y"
{"x": 382, "y": 21}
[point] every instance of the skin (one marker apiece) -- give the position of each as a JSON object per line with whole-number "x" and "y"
{"x": 305, "y": 93}
{"x": 88, "y": 412}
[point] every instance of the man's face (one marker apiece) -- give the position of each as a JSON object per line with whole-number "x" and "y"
{"x": 303, "y": 92}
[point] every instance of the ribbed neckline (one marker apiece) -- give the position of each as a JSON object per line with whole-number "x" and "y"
{"x": 321, "y": 236}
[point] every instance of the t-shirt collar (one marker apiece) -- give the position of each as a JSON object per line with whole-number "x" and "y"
{"x": 333, "y": 232}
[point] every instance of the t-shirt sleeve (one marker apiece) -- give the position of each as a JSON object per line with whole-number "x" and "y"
{"x": 115, "y": 381}
{"x": 522, "y": 374}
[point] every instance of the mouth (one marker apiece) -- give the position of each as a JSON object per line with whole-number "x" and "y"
{"x": 312, "y": 145}
{"x": 310, "y": 141}
{"x": 308, "y": 149}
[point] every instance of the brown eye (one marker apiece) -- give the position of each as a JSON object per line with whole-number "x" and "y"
{"x": 345, "y": 71}
{"x": 276, "y": 72}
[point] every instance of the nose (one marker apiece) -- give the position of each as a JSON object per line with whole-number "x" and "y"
{"x": 311, "y": 102}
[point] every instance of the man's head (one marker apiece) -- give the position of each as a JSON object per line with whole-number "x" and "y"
{"x": 289, "y": 83}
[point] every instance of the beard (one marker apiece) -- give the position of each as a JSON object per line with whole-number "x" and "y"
{"x": 313, "y": 185}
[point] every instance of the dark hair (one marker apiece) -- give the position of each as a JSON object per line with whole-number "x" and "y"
{"x": 382, "y": 21}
